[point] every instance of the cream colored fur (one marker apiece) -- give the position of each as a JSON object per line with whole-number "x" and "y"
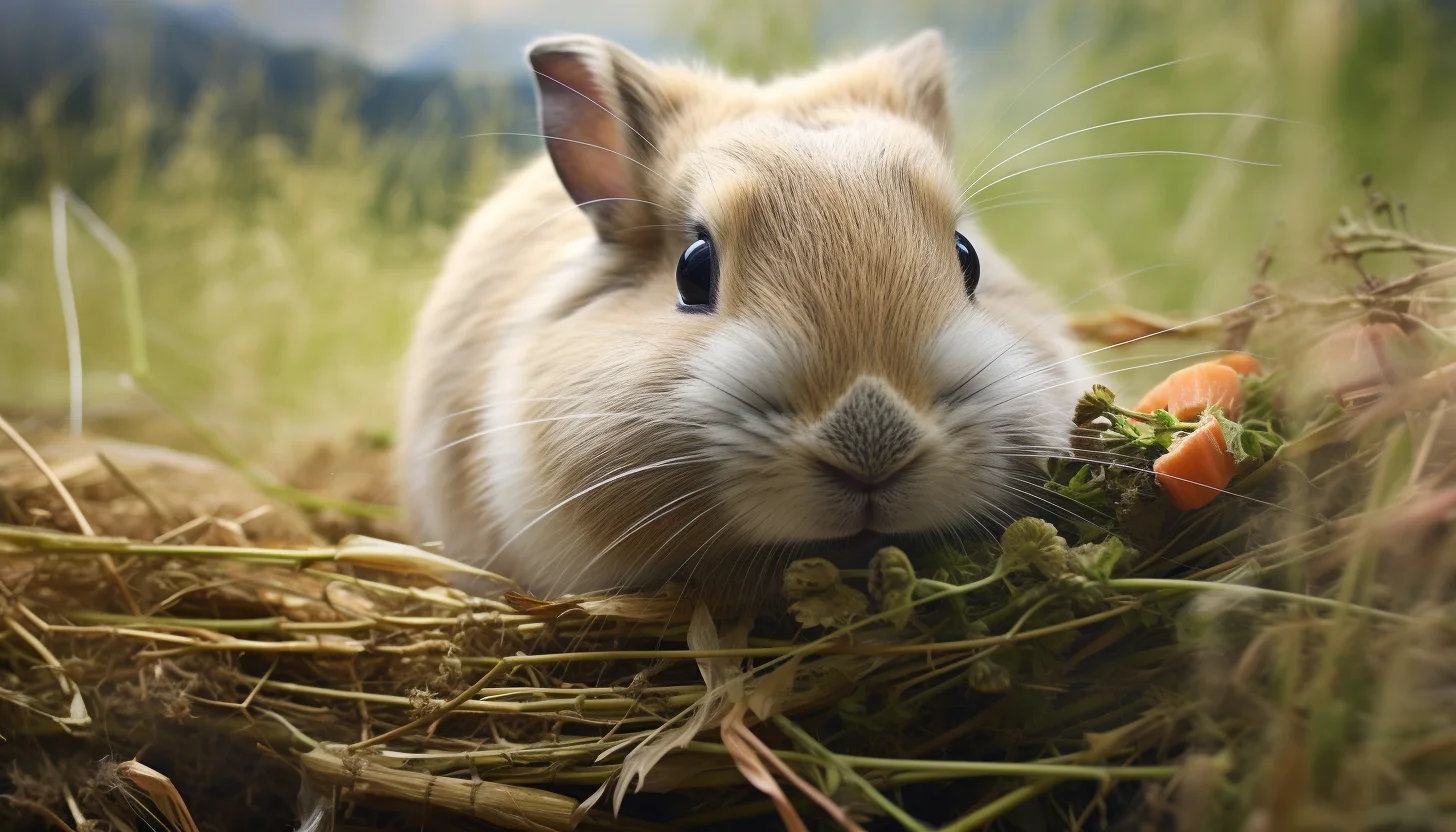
{"x": 566, "y": 424}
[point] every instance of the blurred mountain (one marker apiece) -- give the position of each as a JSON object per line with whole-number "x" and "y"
{"x": 495, "y": 51}
{"x": 76, "y": 49}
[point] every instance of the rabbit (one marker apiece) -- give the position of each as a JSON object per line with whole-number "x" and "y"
{"x": 720, "y": 324}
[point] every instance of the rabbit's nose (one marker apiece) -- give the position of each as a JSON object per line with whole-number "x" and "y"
{"x": 870, "y": 433}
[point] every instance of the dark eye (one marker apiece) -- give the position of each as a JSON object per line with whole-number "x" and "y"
{"x": 697, "y": 276}
{"x": 970, "y": 263}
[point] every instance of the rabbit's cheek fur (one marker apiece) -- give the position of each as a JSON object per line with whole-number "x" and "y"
{"x": 557, "y": 448}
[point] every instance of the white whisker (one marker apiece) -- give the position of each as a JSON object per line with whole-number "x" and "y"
{"x": 645, "y": 520}
{"x": 547, "y": 221}
{"x": 1092, "y": 378}
{"x": 1074, "y": 96}
{"x": 1164, "y": 331}
{"x": 571, "y": 141}
{"x": 1123, "y": 155}
{"x": 568, "y": 417}
{"x": 490, "y": 405}
{"x": 662, "y": 546}
{"x": 1008, "y": 195}
{"x": 1039, "y": 324}
{"x": 1058, "y": 510}
{"x": 1012, "y": 103}
{"x": 1148, "y": 471}
{"x": 990, "y": 208}
{"x": 588, "y": 99}
{"x": 1020, "y": 153}
{"x": 666, "y": 463}
{"x": 697, "y": 555}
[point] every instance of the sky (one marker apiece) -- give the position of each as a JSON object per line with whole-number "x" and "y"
{"x": 488, "y": 36}
{"x": 391, "y": 34}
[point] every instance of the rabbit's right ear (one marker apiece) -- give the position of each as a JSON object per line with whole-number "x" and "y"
{"x": 598, "y": 104}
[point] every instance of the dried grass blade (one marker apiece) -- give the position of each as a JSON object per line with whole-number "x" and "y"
{"x": 746, "y": 758}
{"x": 35, "y": 459}
{"x": 768, "y": 696}
{"x": 160, "y": 789}
{"x": 833, "y": 809}
{"x": 513, "y": 807}
{"x": 723, "y": 680}
{"x": 387, "y": 555}
{"x": 78, "y": 717}
{"x": 811, "y": 745}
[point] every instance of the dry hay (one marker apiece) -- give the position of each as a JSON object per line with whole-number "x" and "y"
{"x": 1281, "y": 659}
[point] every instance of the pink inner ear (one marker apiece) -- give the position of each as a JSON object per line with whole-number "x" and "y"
{"x": 584, "y": 138}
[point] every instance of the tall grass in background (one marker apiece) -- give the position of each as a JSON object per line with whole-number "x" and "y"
{"x": 279, "y": 269}
{"x": 1371, "y": 86}
{"x": 280, "y": 277}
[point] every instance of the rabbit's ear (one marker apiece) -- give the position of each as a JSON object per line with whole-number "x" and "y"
{"x": 598, "y": 104}
{"x": 924, "y": 73}
{"x": 910, "y": 79}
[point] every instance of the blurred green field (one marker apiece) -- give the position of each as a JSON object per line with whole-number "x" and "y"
{"x": 280, "y": 277}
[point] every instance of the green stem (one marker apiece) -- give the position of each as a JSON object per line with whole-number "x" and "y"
{"x": 549, "y": 705}
{"x": 799, "y": 736}
{"x": 963, "y": 768}
{"x": 989, "y": 641}
{"x": 735, "y": 812}
{"x": 302, "y": 738}
{"x": 827, "y": 639}
{"x": 1209, "y": 546}
{"x": 1151, "y": 420}
{"x": 241, "y": 625}
{"x": 413, "y": 593}
{"x": 61, "y": 543}
{"x": 1160, "y": 584}
{"x": 936, "y": 690}
{"x": 932, "y": 586}
{"x": 955, "y": 768}
{"x": 216, "y": 625}
{"x": 998, "y": 807}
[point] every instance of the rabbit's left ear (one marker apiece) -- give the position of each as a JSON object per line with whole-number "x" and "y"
{"x": 598, "y": 105}
{"x": 924, "y": 73}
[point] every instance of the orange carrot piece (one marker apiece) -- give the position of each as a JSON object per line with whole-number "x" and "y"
{"x": 1154, "y": 399}
{"x": 1196, "y": 468}
{"x": 1193, "y": 390}
{"x": 1242, "y": 363}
